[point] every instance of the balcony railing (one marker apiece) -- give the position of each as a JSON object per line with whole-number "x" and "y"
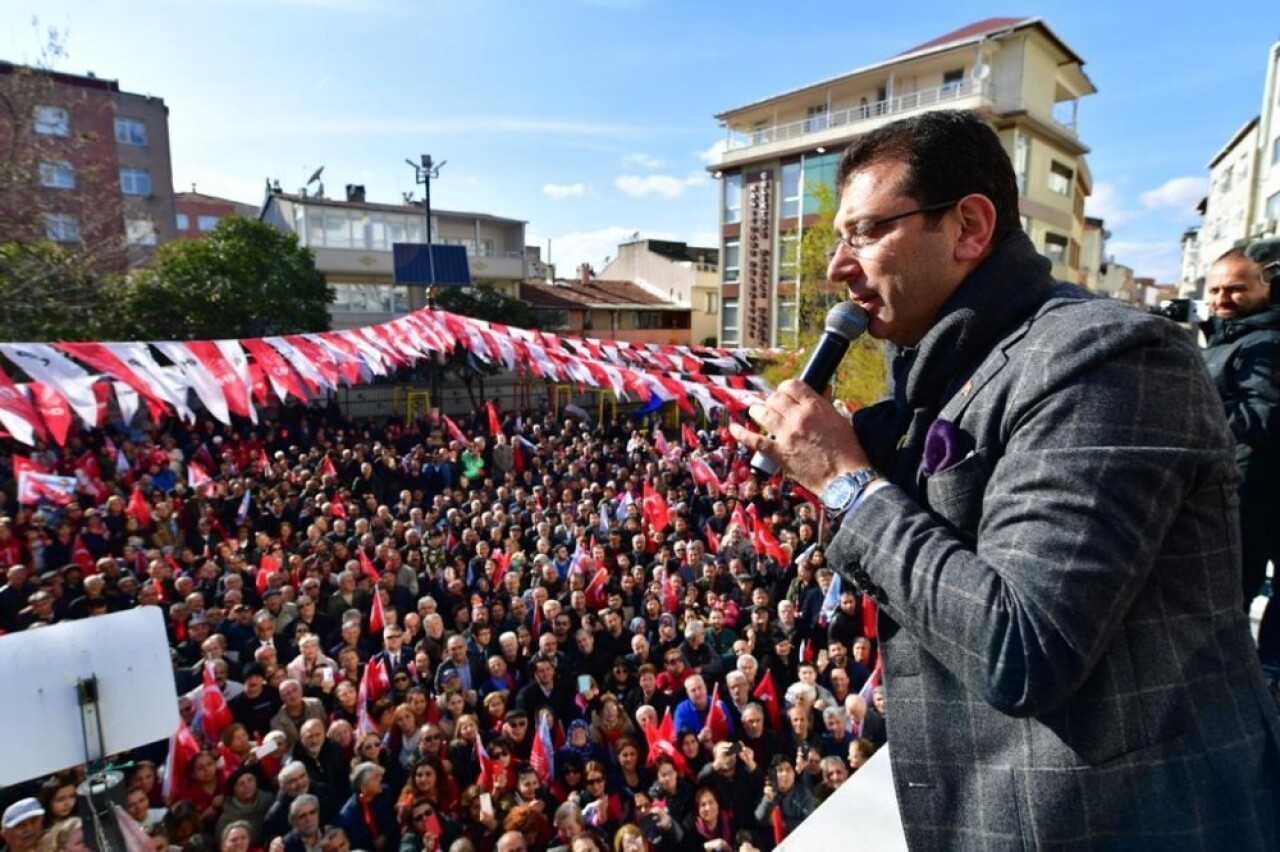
{"x": 942, "y": 95}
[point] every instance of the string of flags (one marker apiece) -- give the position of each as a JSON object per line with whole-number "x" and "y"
{"x": 68, "y": 382}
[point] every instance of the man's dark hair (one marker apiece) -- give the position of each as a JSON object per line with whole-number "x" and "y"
{"x": 949, "y": 154}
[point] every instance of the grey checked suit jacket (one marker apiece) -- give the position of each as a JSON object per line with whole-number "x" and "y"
{"x": 1067, "y": 665}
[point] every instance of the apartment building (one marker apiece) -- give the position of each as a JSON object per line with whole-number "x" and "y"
{"x": 197, "y": 213}
{"x": 1243, "y": 204}
{"x": 85, "y": 164}
{"x": 352, "y": 240}
{"x": 680, "y": 274}
{"x": 608, "y": 309}
{"x": 1016, "y": 72}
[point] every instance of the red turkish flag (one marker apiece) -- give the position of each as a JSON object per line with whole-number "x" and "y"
{"x": 215, "y": 714}
{"x": 779, "y": 824}
{"x": 139, "y": 509}
{"x": 495, "y": 422}
{"x": 81, "y": 556}
{"x": 717, "y": 720}
{"x": 767, "y": 694}
{"x": 17, "y": 412}
{"x": 703, "y": 475}
{"x": 713, "y": 540}
{"x": 267, "y": 565}
{"x": 182, "y": 748}
{"x": 366, "y": 566}
{"x": 455, "y": 433}
{"x": 327, "y": 467}
{"x": 690, "y": 437}
{"x": 656, "y": 511}
{"x": 595, "y": 589}
{"x": 377, "y": 618}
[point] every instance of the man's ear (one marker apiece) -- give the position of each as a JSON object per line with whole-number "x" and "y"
{"x": 977, "y": 217}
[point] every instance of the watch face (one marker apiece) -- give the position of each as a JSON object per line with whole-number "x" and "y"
{"x": 838, "y": 493}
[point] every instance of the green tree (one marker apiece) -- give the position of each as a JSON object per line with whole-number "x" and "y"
{"x": 483, "y": 301}
{"x": 48, "y": 292}
{"x": 860, "y": 379}
{"x": 244, "y": 279}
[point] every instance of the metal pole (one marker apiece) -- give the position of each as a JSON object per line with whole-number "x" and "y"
{"x": 431, "y": 259}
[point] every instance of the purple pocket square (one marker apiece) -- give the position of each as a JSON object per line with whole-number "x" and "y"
{"x": 942, "y": 447}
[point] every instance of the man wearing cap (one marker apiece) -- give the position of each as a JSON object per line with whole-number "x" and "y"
{"x": 21, "y": 826}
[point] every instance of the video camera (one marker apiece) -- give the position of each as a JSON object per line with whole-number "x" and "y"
{"x": 1182, "y": 310}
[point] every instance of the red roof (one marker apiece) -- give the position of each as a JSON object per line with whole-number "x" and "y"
{"x": 990, "y": 25}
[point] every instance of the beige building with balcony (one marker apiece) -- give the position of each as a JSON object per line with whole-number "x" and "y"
{"x": 352, "y": 241}
{"x": 1016, "y": 72}
{"x": 679, "y": 274}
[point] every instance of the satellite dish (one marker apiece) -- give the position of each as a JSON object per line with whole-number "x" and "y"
{"x": 981, "y": 71}
{"x": 315, "y": 176}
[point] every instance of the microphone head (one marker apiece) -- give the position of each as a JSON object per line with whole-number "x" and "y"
{"x": 846, "y": 320}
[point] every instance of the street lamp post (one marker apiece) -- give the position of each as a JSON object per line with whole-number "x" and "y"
{"x": 423, "y": 172}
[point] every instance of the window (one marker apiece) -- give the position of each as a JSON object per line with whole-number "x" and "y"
{"x": 1273, "y": 207}
{"x": 1055, "y": 248}
{"x": 790, "y": 190}
{"x": 731, "y": 260}
{"x": 760, "y": 133}
{"x": 786, "y": 323}
{"x": 1275, "y": 151}
{"x": 52, "y": 121}
{"x": 1021, "y": 160}
{"x": 183, "y": 222}
{"x": 788, "y": 255}
{"x": 131, "y": 131}
{"x": 57, "y": 175}
{"x": 61, "y": 227}
{"x": 551, "y": 319}
{"x": 819, "y": 171}
{"x": 729, "y": 321}
{"x": 952, "y": 81}
{"x": 140, "y": 232}
{"x": 1226, "y": 179}
{"x": 815, "y": 118}
{"x": 207, "y": 223}
{"x": 369, "y": 298}
{"x": 135, "y": 181}
{"x": 1060, "y": 178}
{"x": 733, "y": 198}
{"x": 713, "y": 303}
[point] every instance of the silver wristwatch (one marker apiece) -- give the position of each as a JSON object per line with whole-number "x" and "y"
{"x": 843, "y": 491}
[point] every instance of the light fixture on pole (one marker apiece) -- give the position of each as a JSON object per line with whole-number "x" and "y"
{"x": 423, "y": 172}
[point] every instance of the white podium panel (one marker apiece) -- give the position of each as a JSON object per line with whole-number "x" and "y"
{"x": 127, "y": 652}
{"x": 862, "y": 814}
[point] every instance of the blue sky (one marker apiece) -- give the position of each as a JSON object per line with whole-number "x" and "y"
{"x": 592, "y": 119}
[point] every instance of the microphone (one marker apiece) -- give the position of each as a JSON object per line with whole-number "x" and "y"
{"x": 845, "y": 323}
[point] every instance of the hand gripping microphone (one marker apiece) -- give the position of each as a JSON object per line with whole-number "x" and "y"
{"x": 845, "y": 323}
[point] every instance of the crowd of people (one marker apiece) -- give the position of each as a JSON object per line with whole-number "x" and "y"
{"x": 563, "y": 634}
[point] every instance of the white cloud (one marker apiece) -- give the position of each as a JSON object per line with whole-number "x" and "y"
{"x": 1160, "y": 260}
{"x": 1180, "y": 193}
{"x": 1107, "y": 204}
{"x": 570, "y": 250}
{"x": 223, "y": 128}
{"x": 664, "y": 185}
{"x": 643, "y": 161}
{"x": 565, "y": 190}
{"x": 715, "y": 153}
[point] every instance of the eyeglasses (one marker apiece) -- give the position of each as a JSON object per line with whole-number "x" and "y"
{"x": 671, "y": 660}
{"x": 596, "y": 780}
{"x": 860, "y": 238}
{"x": 430, "y": 737}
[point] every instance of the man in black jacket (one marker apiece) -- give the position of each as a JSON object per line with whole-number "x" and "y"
{"x": 1243, "y": 344}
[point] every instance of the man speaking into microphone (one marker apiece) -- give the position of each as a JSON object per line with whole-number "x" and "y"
{"x": 1045, "y": 512}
